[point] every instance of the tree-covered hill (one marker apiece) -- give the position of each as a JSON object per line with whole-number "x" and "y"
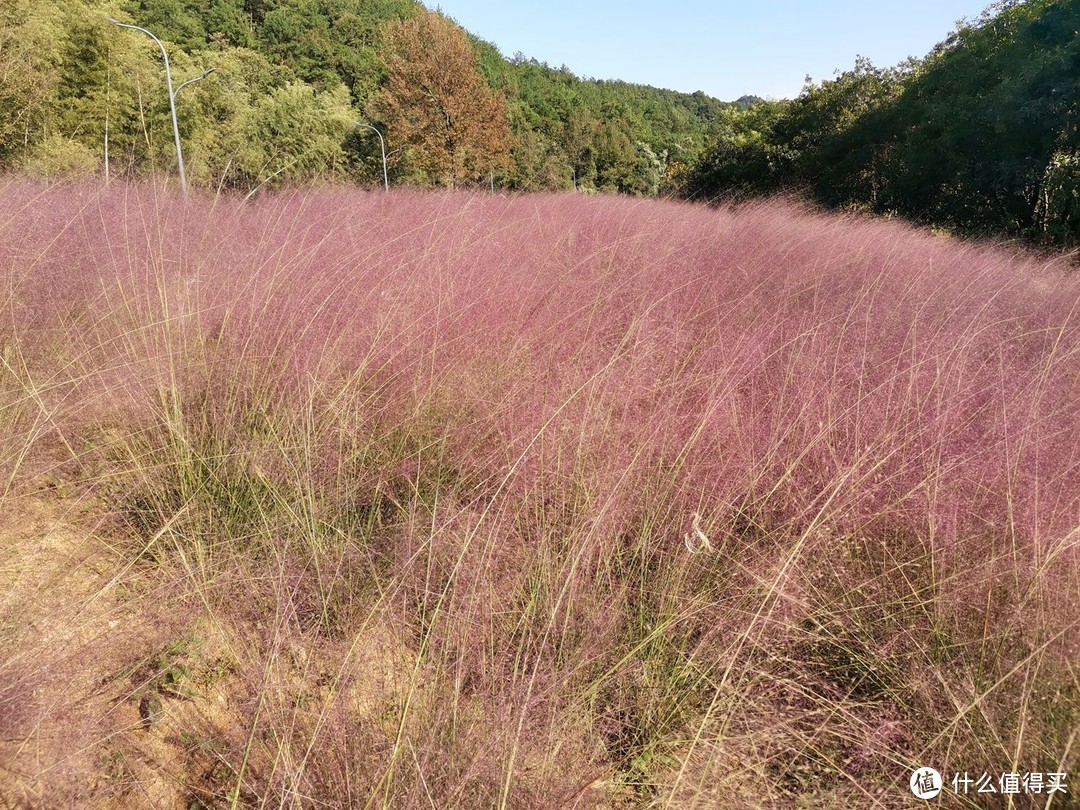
{"x": 608, "y": 135}
{"x": 982, "y": 135}
{"x": 291, "y": 77}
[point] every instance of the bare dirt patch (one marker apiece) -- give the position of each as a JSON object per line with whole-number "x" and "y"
{"x": 76, "y": 619}
{"x": 119, "y": 687}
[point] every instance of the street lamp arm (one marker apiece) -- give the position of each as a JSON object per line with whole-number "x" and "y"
{"x": 148, "y": 33}
{"x": 382, "y": 146}
{"x": 206, "y": 73}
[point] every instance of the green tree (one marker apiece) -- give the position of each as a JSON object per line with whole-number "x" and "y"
{"x": 980, "y": 135}
{"x": 297, "y": 33}
{"x": 1058, "y": 208}
{"x": 57, "y": 156}
{"x": 227, "y": 23}
{"x": 177, "y": 21}
{"x": 30, "y": 72}
{"x": 293, "y": 134}
{"x": 740, "y": 160}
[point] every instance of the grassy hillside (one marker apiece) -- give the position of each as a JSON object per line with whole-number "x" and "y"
{"x": 356, "y": 500}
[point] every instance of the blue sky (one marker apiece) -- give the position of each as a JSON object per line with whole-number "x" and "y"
{"x": 727, "y": 49}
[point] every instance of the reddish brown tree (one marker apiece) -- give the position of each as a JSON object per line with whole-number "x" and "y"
{"x": 437, "y": 104}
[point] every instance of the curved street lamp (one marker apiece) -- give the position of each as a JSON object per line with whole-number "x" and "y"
{"x": 382, "y": 145}
{"x": 172, "y": 97}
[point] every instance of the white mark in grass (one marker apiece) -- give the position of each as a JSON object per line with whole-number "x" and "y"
{"x": 696, "y": 540}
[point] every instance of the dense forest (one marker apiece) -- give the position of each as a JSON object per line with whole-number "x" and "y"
{"x": 981, "y": 135}
{"x": 290, "y": 78}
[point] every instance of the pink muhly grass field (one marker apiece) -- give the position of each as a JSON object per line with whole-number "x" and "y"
{"x": 621, "y": 502}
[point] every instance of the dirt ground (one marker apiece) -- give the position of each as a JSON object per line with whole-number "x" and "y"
{"x": 121, "y": 687}
{"x": 78, "y": 632}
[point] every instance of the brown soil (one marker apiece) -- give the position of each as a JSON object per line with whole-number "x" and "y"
{"x": 120, "y": 687}
{"x": 73, "y": 625}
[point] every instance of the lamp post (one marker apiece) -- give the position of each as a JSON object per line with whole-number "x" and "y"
{"x": 172, "y": 98}
{"x": 382, "y": 146}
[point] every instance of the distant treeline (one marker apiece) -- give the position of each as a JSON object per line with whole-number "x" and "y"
{"x": 292, "y": 76}
{"x": 980, "y": 135}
